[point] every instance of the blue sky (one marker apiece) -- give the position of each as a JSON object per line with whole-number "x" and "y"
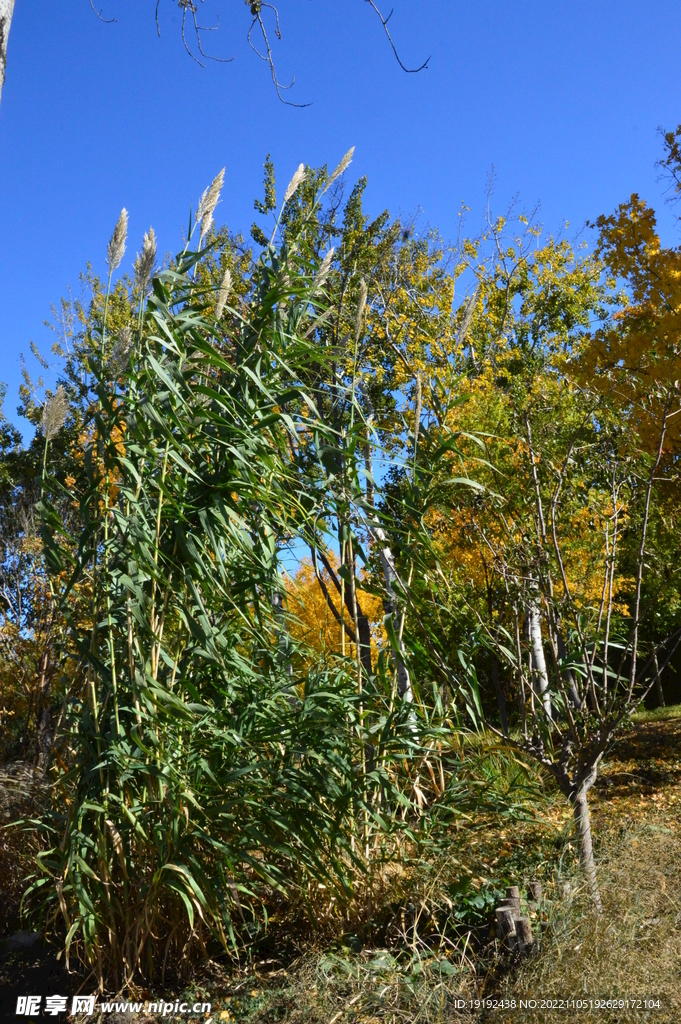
{"x": 562, "y": 98}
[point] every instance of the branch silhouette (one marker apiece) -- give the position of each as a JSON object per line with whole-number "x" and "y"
{"x": 190, "y": 8}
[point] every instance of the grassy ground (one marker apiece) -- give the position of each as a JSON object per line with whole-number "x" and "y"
{"x": 632, "y": 951}
{"x": 634, "y": 948}
{"x": 432, "y": 952}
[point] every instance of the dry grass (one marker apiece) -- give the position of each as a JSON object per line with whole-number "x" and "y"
{"x": 20, "y": 793}
{"x": 634, "y": 948}
{"x": 14, "y": 866}
{"x": 408, "y": 975}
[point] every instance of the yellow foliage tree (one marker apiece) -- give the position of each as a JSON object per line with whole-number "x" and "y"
{"x": 637, "y": 357}
{"x": 312, "y": 622}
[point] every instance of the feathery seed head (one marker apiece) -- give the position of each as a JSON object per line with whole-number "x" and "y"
{"x": 467, "y": 318}
{"x": 223, "y": 293}
{"x": 125, "y": 336}
{"x": 209, "y": 200}
{"x": 144, "y": 263}
{"x": 360, "y": 308}
{"x": 120, "y": 357}
{"x": 54, "y": 413}
{"x": 293, "y": 184}
{"x": 116, "y": 247}
{"x": 206, "y": 225}
{"x": 324, "y": 269}
{"x": 342, "y": 166}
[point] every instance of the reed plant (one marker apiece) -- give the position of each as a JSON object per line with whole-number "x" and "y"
{"x": 204, "y": 758}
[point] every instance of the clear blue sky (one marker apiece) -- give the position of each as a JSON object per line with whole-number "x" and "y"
{"x": 563, "y": 98}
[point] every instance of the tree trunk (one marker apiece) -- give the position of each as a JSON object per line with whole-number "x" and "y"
{"x": 6, "y": 11}
{"x": 568, "y": 674}
{"x": 500, "y": 694}
{"x": 541, "y": 678}
{"x": 283, "y": 645}
{"x": 378, "y": 536}
{"x": 44, "y": 723}
{"x": 642, "y": 547}
{"x": 389, "y": 604}
{"x": 501, "y": 702}
{"x": 658, "y": 684}
{"x": 586, "y": 853}
{"x": 387, "y": 562}
{"x": 45, "y": 738}
{"x": 364, "y": 630}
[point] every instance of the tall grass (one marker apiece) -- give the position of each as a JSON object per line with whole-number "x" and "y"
{"x": 204, "y": 759}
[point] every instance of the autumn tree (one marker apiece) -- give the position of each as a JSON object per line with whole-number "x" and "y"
{"x": 470, "y": 455}
{"x": 574, "y": 389}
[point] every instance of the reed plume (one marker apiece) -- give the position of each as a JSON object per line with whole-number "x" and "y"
{"x": 324, "y": 269}
{"x": 293, "y": 184}
{"x": 54, "y": 413}
{"x": 120, "y": 357}
{"x": 207, "y": 204}
{"x": 342, "y": 166}
{"x": 144, "y": 263}
{"x": 223, "y": 293}
{"x": 467, "y": 318}
{"x": 116, "y": 247}
{"x": 206, "y": 225}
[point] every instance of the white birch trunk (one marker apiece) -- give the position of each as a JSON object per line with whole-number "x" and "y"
{"x": 6, "y": 12}
{"x": 586, "y": 853}
{"x": 390, "y": 575}
{"x": 387, "y": 561}
{"x": 541, "y": 678}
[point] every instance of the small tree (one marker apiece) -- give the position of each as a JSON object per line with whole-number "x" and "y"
{"x": 580, "y": 421}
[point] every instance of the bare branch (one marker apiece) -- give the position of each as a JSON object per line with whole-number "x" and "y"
{"x": 257, "y": 7}
{"x": 207, "y": 28}
{"x": 268, "y": 57}
{"x": 184, "y": 39}
{"x": 324, "y": 589}
{"x": 190, "y": 5}
{"x": 107, "y": 21}
{"x": 384, "y": 22}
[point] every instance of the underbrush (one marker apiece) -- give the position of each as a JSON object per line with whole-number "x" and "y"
{"x": 414, "y": 945}
{"x": 16, "y": 863}
{"x": 415, "y": 939}
{"x": 440, "y": 956}
{"x": 431, "y": 888}
{"x": 21, "y": 793}
{"x": 632, "y": 950}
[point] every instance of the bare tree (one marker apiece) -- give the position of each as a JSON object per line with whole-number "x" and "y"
{"x": 263, "y": 26}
